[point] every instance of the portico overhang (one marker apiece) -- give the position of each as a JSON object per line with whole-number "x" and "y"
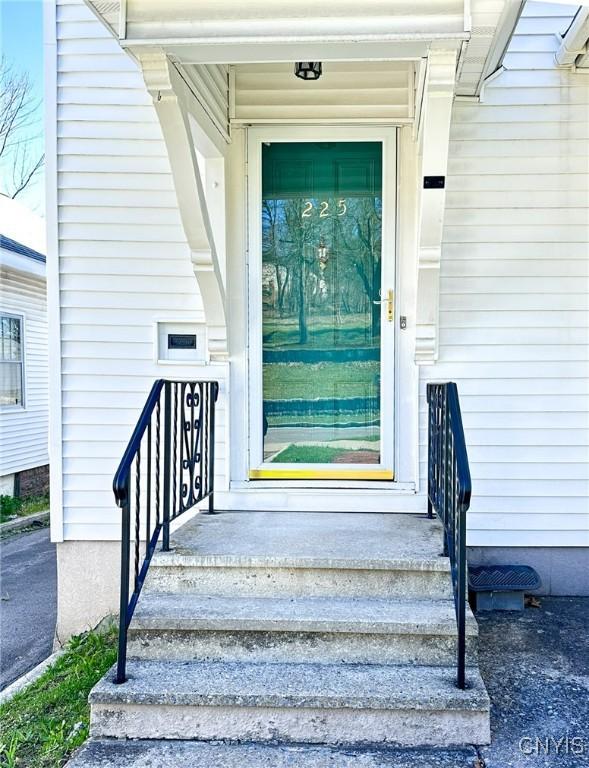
{"x": 226, "y": 29}
{"x": 199, "y": 61}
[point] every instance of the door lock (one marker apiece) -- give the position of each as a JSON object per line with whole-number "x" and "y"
{"x": 390, "y": 302}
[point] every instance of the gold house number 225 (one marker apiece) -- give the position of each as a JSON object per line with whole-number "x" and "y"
{"x": 323, "y": 209}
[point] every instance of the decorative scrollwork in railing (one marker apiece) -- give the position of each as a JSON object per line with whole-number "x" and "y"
{"x": 168, "y": 468}
{"x": 194, "y": 419}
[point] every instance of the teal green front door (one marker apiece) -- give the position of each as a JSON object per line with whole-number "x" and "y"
{"x": 323, "y": 309}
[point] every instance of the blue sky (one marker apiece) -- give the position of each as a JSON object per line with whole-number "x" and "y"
{"x": 21, "y": 35}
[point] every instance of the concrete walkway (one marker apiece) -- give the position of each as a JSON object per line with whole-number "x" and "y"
{"x": 29, "y": 603}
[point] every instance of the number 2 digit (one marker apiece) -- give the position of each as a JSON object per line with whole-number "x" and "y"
{"x": 324, "y": 211}
{"x": 308, "y": 209}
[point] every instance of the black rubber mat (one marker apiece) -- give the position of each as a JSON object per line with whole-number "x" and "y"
{"x": 508, "y": 578}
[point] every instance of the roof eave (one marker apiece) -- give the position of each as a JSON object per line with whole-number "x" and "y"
{"x": 17, "y": 262}
{"x": 574, "y": 42}
{"x": 501, "y": 40}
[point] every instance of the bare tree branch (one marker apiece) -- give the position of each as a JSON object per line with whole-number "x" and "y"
{"x": 18, "y": 116}
{"x": 26, "y": 171}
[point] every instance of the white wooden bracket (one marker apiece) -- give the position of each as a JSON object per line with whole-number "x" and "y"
{"x": 172, "y": 101}
{"x": 434, "y": 136}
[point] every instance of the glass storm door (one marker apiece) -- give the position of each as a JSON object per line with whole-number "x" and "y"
{"x": 324, "y": 310}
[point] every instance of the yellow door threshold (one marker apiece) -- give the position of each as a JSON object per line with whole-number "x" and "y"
{"x": 321, "y": 474}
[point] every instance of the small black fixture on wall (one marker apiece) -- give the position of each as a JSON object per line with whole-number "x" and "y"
{"x": 308, "y": 70}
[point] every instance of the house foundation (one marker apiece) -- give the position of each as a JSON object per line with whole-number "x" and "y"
{"x": 87, "y": 585}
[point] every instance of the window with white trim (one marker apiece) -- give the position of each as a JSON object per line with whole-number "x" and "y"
{"x": 11, "y": 360}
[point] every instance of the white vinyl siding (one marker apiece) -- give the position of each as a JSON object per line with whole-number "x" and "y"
{"x": 23, "y": 430}
{"x": 124, "y": 264}
{"x": 514, "y": 304}
{"x": 514, "y": 276}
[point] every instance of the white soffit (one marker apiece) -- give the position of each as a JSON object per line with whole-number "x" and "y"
{"x": 492, "y": 26}
{"x": 347, "y": 90}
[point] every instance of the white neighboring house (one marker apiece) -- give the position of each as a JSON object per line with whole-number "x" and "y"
{"x": 24, "y": 456}
{"x": 160, "y": 117}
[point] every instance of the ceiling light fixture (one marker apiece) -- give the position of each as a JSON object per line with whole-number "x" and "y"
{"x": 308, "y": 70}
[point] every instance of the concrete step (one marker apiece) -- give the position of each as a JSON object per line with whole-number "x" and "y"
{"x": 316, "y": 629}
{"x": 108, "y": 753}
{"x": 304, "y": 554}
{"x": 292, "y": 703}
{"x": 297, "y": 577}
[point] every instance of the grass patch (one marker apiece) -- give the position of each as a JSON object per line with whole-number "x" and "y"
{"x": 11, "y": 506}
{"x": 312, "y": 454}
{"x": 43, "y": 724}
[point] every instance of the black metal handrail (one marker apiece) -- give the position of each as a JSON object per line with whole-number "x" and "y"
{"x": 448, "y": 491}
{"x": 167, "y": 468}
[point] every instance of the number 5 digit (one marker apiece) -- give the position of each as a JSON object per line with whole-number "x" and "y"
{"x": 342, "y": 207}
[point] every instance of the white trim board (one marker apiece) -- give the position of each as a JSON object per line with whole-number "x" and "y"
{"x": 406, "y": 375}
{"x": 53, "y": 291}
{"x": 306, "y": 499}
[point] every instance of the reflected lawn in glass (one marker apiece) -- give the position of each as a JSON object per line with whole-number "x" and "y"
{"x": 351, "y": 331}
{"x": 322, "y": 454}
{"x": 311, "y": 381}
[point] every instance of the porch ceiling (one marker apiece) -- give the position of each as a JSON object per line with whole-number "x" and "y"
{"x": 350, "y": 90}
{"x": 233, "y": 31}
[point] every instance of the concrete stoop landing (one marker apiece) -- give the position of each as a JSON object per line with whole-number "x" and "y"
{"x": 295, "y": 629}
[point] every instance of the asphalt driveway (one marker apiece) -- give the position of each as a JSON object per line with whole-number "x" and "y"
{"x": 535, "y": 665}
{"x": 28, "y": 606}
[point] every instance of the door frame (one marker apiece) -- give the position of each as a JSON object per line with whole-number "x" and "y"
{"x": 256, "y": 136}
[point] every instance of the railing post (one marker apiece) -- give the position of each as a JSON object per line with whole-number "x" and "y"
{"x": 449, "y": 492}
{"x": 461, "y": 597}
{"x": 167, "y": 464}
{"x": 445, "y": 453}
{"x": 124, "y": 594}
{"x": 430, "y": 513}
{"x": 213, "y": 388}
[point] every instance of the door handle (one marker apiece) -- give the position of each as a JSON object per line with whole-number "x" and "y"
{"x": 390, "y": 302}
